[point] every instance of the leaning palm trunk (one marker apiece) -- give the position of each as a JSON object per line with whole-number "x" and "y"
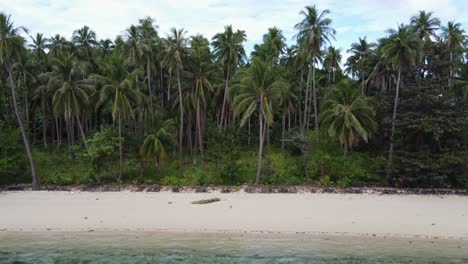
{"x": 121, "y": 165}
{"x": 35, "y": 180}
{"x": 223, "y": 109}
{"x": 392, "y": 135}
{"x": 181, "y": 126}
{"x": 83, "y": 138}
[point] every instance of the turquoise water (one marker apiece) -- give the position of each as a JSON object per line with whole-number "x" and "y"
{"x": 141, "y": 248}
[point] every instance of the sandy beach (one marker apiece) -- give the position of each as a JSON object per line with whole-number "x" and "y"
{"x": 304, "y": 213}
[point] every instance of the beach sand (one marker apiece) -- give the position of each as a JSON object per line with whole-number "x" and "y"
{"x": 444, "y": 217}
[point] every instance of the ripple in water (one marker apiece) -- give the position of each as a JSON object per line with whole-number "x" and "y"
{"x": 142, "y": 248}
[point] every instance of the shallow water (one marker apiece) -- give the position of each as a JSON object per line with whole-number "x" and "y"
{"x": 115, "y": 248}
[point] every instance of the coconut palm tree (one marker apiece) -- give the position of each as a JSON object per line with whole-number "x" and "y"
{"x": 228, "y": 49}
{"x": 425, "y": 25}
{"x": 360, "y": 53}
{"x": 455, "y": 37}
{"x": 288, "y": 100}
{"x": 176, "y": 51}
{"x": 275, "y": 42}
{"x": 149, "y": 37}
{"x": 401, "y": 51}
{"x": 105, "y": 46}
{"x": 117, "y": 91}
{"x": 313, "y": 32}
{"x": 38, "y": 45}
{"x": 11, "y": 45}
{"x": 202, "y": 71}
{"x": 57, "y": 44}
{"x": 158, "y": 135}
{"x": 331, "y": 62}
{"x": 72, "y": 92}
{"x": 347, "y": 116}
{"x": 259, "y": 85}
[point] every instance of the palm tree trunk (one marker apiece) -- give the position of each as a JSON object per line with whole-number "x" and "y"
{"x": 181, "y": 126}
{"x": 44, "y": 124}
{"x": 306, "y": 102}
{"x": 150, "y": 90}
{"x": 200, "y": 135}
{"x": 83, "y": 137}
{"x": 334, "y": 74}
{"x": 35, "y": 180}
{"x": 389, "y": 177}
{"x": 121, "y": 162}
{"x": 283, "y": 130}
{"x": 362, "y": 87}
{"x": 315, "y": 101}
{"x": 169, "y": 87}
{"x": 451, "y": 69}
{"x": 260, "y": 145}
{"x": 223, "y": 109}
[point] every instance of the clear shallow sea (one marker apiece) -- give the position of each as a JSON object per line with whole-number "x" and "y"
{"x": 141, "y": 248}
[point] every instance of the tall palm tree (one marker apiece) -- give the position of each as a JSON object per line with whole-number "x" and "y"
{"x": 117, "y": 91}
{"x": 229, "y": 49}
{"x": 313, "y": 32}
{"x": 275, "y": 42}
{"x": 84, "y": 37}
{"x": 259, "y": 85}
{"x": 455, "y": 37}
{"x": 106, "y": 46}
{"x": 401, "y": 51}
{"x": 202, "y": 70}
{"x": 425, "y": 25}
{"x": 38, "y": 45}
{"x": 176, "y": 50}
{"x": 149, "y": 37}
{"x": 11, "y": 45}
{"x": 360, "y": 53}
{"x": 331, "y": 62}
{"x": 156, "y": 139}
{"x": 347, "y": 116}
{"x": 57, "y": 44}
{"x": 72, "y": 92}
{"x": 288, "y": 99}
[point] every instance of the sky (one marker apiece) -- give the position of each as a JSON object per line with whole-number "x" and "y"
{"x": 108, "y": 18}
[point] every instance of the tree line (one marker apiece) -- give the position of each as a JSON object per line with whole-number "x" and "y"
{"x": 402, "y": 99}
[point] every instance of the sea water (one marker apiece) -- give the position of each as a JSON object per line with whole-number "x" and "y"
{"x": 141, "y": 247}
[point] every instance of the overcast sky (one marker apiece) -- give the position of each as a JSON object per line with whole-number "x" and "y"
{"x": 109, "y": 18}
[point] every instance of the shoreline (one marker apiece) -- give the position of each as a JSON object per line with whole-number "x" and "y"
{"x": 239, "y": 189}
{"x": 256, "y": 214}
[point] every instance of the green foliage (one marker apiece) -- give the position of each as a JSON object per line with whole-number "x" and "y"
{"x": 102, "y": 146}
{"x": 12, "y": 155}
{"x": 283, "y": 170}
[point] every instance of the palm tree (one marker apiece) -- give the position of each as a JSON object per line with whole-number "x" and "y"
{"x": 39, "y": 44}
{"x": 425, "y": 27}
{"x": 258, "y": 87}
{"x": 288, "y": 99}
{"x": 455, "y": 37}
{"x": 11, "y": 45}
{"x": 360, "y": 54}
{"x": 332, "y": 61}
{"x": 202, "y": 70}
{"x": 401, "y": 52}
{"x": 176, "y": 50}
{"x": 57, "y": 44}
{"x": 72, "y": 92}
{"x": 84, "y": 37}
{"x": 154, "y": 144}
{"x": 149, "y": 37}
{"x": 118, "y": 92}
{"x": 275, "y": 42}
{"x": 105, "y": 46}
{"x": 314, "y": 32}
{"x": 228, "y": 49}
{"x": 347, "y": 116}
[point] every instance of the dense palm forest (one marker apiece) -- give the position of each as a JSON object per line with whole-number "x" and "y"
{"x": 187, "y": 110}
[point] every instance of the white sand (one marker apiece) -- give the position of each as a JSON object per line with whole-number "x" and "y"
{"x": 351, "y": 214}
